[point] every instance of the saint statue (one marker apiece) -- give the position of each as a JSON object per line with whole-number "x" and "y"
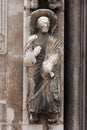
{"x": 42, "y": 58}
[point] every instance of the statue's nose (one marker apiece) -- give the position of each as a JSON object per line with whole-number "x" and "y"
{"x": 45, "y": 25}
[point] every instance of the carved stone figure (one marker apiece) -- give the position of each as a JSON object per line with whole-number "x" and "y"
{"x": 51, "y": 4}
{"x": 42, "y": 58}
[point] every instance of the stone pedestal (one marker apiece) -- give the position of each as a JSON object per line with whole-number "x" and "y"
{"x": 32, "y": 127}
{"x": 40, "y": 127}
{"x": 56, "y": 127}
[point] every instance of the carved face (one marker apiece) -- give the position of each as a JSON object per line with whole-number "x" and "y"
{"x": 43, "y": 24}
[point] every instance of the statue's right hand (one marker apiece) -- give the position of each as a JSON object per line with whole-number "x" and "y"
{"x": 29, "y": 59}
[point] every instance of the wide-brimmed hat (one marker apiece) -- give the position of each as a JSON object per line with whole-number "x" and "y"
{"x": 43, "y": 12}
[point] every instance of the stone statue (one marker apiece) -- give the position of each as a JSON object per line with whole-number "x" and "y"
{"x": 51, "y": 4}
{"x": 42, "y": 58}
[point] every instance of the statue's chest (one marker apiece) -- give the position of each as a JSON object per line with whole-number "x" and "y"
{"x": 42, "y": 41}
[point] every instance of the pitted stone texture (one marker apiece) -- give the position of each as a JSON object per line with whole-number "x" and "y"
{"x": 3, "y": 27}
{"x": 14, "y": 86}
{"x": 2, "y": 77}
{"x": 14, "y": 127}
{"x": 59, "y": 34}
{"x": 3, "y": 127}
{"x": 11, "y": 68}
{"x": 15, "y": 27}
{"x": 56, "y": 127}
{"x": 2, "y": 113}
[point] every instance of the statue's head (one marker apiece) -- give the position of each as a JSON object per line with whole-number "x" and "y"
{"x": 43, "y": 23}
{"x": 43, "y": 19}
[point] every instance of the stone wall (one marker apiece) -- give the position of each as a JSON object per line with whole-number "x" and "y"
{"x": 11, "y": 64}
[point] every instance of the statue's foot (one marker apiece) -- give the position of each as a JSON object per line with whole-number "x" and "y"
{"x": 34, "y": 5}
{"x": 55, "y": 6}
{"x": 52, "y": 121}
{"x": 33, "y": 118}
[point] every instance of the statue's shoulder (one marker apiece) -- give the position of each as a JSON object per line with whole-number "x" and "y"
{"x": 32, "y": 38}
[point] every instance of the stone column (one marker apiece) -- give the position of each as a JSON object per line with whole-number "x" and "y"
{"x": 72, "y": 64}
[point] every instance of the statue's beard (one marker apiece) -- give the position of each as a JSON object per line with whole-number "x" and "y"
{"x": 44, "y": 30}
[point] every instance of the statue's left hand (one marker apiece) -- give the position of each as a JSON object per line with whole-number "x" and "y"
{"x": 47, "y": 68}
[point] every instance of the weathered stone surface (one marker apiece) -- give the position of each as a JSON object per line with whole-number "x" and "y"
{"x": 73, "y": 65}
{"x": 56, "y": 127}
{"x": 2, "y": 113}
{"x": 3, "y": 27}
{"x": 32, "y": 127}
{"x": 14, "y": 65}
{"x": 10, "y": 127}
{"x": 59, "y": 34}
{"x": 14, "y": 87}
{"x": 14, "y": 127}
{"x": 11, "y": 70}
{"x": 2, "y": 77}
{"x": 3, "y": 127}
{"x": 11, "y": 64}
{"x": 15, "y": 27}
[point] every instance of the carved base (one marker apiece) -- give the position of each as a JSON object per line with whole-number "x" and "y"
{"x": 56, "y": 127}
{"x": 32, "y": 127}
{"x": 40, "y": 127}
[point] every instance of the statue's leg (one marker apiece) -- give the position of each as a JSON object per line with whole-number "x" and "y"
{"x": 33, "y": 116}
{"x": 52, "y": 118}
{"x": 34, "y": 4}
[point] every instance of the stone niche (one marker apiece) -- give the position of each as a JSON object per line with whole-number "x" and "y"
{"x": 43, "y": 83}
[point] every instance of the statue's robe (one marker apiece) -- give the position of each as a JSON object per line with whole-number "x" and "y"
{"x": 46, "y": 100}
